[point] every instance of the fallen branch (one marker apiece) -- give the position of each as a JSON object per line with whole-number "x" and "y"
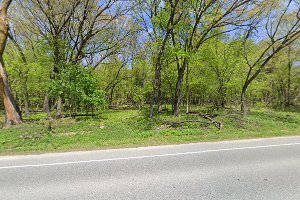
{"x": 219, "y": 125}
{"x": 181, "y": 123}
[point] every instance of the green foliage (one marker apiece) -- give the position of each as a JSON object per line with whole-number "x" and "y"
{"x": 78, "y": 87}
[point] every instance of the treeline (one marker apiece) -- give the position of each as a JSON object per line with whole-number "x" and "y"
{"x": 69, "y": 57}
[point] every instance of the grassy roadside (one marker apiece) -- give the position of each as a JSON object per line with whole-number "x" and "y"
{"x": 130, "y": 128}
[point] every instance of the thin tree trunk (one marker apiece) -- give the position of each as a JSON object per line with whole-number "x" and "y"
{"x": 25, "y": 96}
{"x": 111, "y": 94}
{"x": 159, "y": 93}
{"x": 187, "y": 89}
{"x": 221, "y": 101}
{"x": 288, "y": 100}
{"x": 59, "y": 108}
{"x": 26, "y": 101}
{"x": 155, "y": 89}
{"x": 46, "y": 106}
{"x": 243, "y": 101}
{"x": 25, "y": 91}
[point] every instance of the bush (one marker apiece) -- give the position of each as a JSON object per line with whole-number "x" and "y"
{"x": 78, "y": 87}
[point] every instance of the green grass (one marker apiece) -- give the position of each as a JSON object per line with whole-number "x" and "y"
{"x": 130, "y": 128}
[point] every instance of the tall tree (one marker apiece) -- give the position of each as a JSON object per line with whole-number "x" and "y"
{"x": 12, "y": 112}
{"x": 203, "y": 20}
{"x": 79, "y": 32}
{"x": 163, "y": 15}
{"x": 281, "y": 25}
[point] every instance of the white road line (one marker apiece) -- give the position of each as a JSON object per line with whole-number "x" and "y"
{"x": 149, "y": 156}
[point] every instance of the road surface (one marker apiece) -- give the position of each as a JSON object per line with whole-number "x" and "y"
{"x": 249, "y": 169}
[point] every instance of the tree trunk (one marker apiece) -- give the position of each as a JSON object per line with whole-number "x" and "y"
{"x": 155, "y": 89}
{"x": 156, "y": 86}
{"x": 288, "y": 99}
{"x": 25, "y": 94}
{"x": 243, "y": 101}
{"x": 159, "y": 93}
{"x": 12, "y": 112}
{"x": 111, "y": 94}
{"x": 59, "y": 108}
{"x": 26, "y": 106}
{"x": 177, "y": 96}
{"x": 221, "y": 101}
{"x": 187, "y": 89}
{"x": 46, "y": 106}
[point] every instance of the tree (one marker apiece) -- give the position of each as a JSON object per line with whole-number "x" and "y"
{"x": 281, "y": 25}
{"x": 80, "y": 32}
{"x": 163, "y": 15}
{"x": 79, "y": 89}
{"x": 12, "y": 112}
{"x": 203, "y": 20}
{"x": 223, "y": 57}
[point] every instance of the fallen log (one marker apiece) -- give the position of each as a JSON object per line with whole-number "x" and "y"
{"x": 181, "y": 123}
{"x": 219, "y": 125}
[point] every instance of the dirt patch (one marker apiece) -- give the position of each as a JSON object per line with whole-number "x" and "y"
{"x": 69, "y": 133}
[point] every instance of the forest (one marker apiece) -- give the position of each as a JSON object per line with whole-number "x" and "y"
{"x": 168, "y": 60}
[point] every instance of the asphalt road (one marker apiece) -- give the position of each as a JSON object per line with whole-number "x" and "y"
{"x": 249, "y": 169}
